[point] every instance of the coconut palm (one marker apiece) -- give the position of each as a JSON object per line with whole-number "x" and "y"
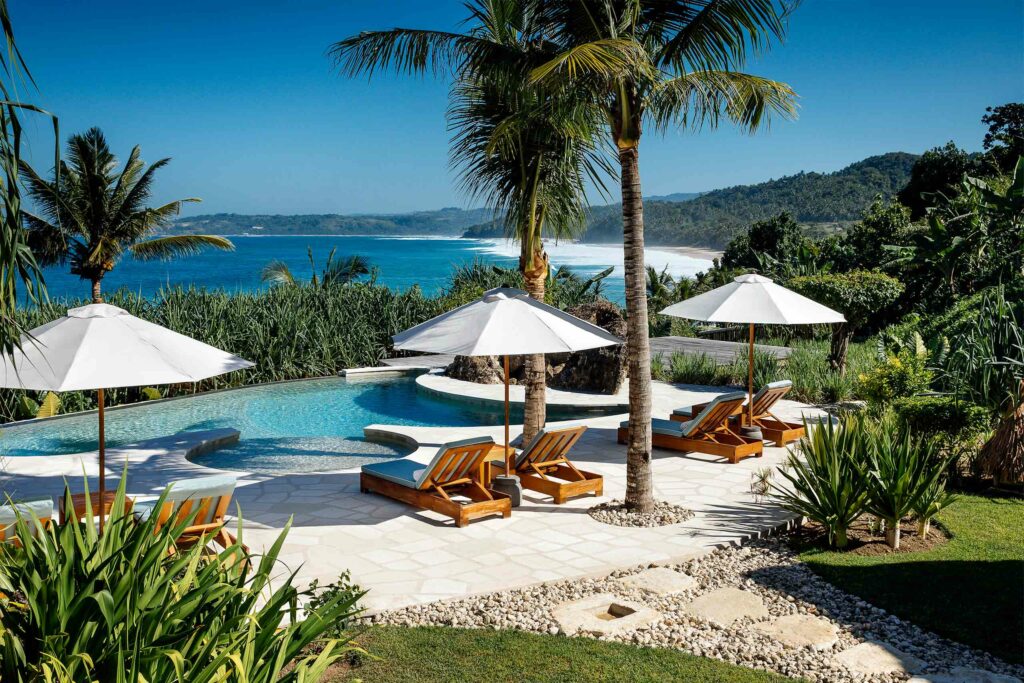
{"x": 91, "y": 214}
{"x": 680, "y": 73}
{"x": 18, "y": 267}
{"x": 342, "y": 271}
{"x": 518, "y": 146}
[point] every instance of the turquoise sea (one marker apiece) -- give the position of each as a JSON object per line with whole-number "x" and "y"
{"x": 402, "y": 263}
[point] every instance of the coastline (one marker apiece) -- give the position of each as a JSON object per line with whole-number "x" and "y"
{"x": 693, "y": 252}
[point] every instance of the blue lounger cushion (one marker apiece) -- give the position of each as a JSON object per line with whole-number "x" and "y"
{"x": 412, "y": 473}
{"x": 659, "y": 426}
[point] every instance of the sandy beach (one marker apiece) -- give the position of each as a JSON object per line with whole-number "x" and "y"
{"x": 693, "y": 252}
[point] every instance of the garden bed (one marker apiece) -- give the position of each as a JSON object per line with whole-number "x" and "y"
{"x": 863, "y": 540}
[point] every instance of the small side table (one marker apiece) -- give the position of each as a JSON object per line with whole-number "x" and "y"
{"x": 78, "y": 505}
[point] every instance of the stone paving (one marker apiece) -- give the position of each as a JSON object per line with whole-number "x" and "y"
{"x": 406, "y": 557}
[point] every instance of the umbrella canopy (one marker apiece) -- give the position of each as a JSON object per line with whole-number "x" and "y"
{"x": 754, "y": 299}
{"x": 504, "y": 322}
{"x": 100, "y": 346}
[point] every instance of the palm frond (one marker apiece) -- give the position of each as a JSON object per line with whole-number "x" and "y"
{"x": 277, "y": 273}
{"x": 173, "y": 246}
{"x": 701, "y": 98}
{"x": 607, "y": 58}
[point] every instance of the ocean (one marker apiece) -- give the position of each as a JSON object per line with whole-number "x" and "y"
{"x": 402, "y": 263}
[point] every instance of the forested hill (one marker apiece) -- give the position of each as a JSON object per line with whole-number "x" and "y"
{"x": 450, "y": 221}
{"x": 713, "y": 218}
{"x": 710, "y": 219}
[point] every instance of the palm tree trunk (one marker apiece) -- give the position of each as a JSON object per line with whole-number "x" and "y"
{"x": 534, "y": 414}
{"x": 97, "y": 297}
{"x": 639, "y": 487}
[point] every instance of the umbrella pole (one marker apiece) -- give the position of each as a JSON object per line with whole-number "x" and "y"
{"x": 750, "y": 380}
{"x": 508, "y": 458}
{"x": 103, "y": 456}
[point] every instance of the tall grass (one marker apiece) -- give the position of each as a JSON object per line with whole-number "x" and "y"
{"x": 288, "y": 332}
{"x": 808, "y": 368}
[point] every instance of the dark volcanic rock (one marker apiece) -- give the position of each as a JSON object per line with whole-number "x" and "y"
{"x": 600, "y": 370}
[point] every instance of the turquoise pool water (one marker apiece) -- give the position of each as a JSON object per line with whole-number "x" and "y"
{"x": 312, "y": 425}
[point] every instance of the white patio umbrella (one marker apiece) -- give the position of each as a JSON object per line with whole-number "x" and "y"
{"x": 99, "y": 347}
{"x": 504, "y": 322}
{"x": 753, "y": 299}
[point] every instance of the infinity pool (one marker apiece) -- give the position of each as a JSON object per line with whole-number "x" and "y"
{"x": 308, "y": 426}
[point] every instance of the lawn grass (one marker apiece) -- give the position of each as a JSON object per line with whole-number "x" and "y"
{"x": 428, "y": 654}
{"x": 970, "y": 589}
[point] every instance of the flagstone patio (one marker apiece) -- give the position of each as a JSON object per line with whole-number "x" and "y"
{"x": 405, "y": 557}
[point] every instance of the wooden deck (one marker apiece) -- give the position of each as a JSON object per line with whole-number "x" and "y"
{"x": 724, "y": 352}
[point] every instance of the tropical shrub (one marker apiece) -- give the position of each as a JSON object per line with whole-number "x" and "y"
{"x": 898, "y": 376}
{"x": 78, "y": 606}
{"x": 900, "y": 469}
{"x": 815, "y": 381}
{"x": 858, "y": 295}
{"x": 698, "y": 368}
{"x": 958, "y": 427}
{"x": 986, "y": 366}
{"x": 825, "y": 482}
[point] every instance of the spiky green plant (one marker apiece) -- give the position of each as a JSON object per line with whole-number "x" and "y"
{"x": 90, "y": 215}
{"x": 933, "y": 500}
{"x": 825, "y": 481}
{"x": 901, "y": 468}
{"x": 119, "y": 607}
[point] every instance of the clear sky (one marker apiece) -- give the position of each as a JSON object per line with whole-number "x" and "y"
{"x": 241, "y": 95}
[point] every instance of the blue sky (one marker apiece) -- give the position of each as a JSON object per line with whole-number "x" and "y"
{"x": 242, "y": 96}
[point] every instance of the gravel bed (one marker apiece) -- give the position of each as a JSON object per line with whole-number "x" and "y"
{"x": 767, "y": 568}
{"x": 615, "y": 512}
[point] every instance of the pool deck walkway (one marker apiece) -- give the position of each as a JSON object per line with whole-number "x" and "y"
{"x": 404, "y": 556}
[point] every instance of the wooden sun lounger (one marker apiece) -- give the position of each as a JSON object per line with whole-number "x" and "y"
{"x": 543, "y": 466}
{"x": 772, "y": 428}
{"x": 208, "y": 497}
{"x": 457, "y": 469}
{"x": 29, "y": 511}
{"x": 709, "y": 432}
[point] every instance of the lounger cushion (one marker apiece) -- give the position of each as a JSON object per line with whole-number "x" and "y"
{"x": 688, "y": 427}
{"x": 401, "y": 471}
{"x": 533, "y": 442}
{"x": 684, "y": 412}
{"x": 195, "y": 489}
{"x": 782, "y": 383}
{"x": 659, "y": 426}
{"x": 38, "y": 509}
{"x": 412, "y": 473}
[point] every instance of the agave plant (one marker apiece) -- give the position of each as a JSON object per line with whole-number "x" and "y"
{"x": 901, "y": 469}
{"x": 933, "y": 500}
{"x": 119, "y": 607}
{"x": 826, "y": 484}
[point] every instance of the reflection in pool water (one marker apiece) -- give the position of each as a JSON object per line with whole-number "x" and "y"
{"x": 312, "y": 425}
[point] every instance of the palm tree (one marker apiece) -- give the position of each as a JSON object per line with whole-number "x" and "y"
{"x": 679, "y": 72}
{"x": 521, "y": 148}
{"x": 18, "y": 265}
{"x": 91, "y": 214}
{"x": 342, "y": 271}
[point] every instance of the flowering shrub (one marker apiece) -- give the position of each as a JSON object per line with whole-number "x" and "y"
{"x": 898, "y": 376}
